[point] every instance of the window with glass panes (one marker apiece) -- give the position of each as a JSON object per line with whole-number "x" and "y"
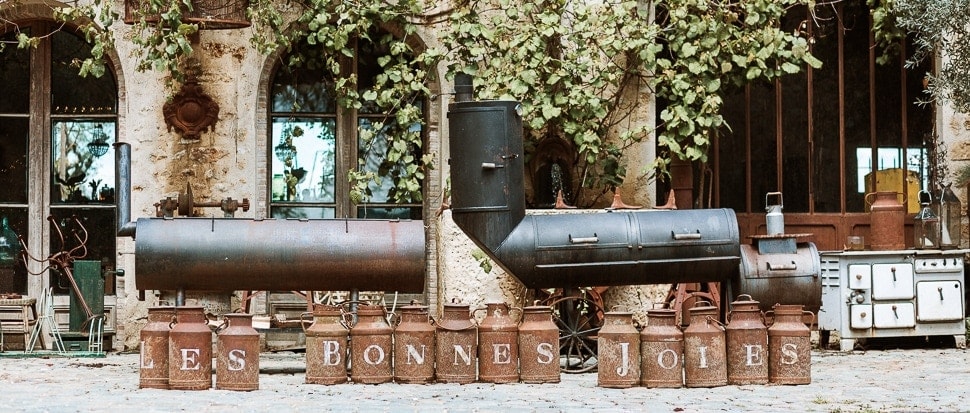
{"x": 56, "y": 131}
{"x": 314, "y": 142}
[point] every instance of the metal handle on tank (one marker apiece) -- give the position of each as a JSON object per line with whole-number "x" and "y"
{"x": 584, "y": 240}
{"x": 782, "y": 267}
{"x": 688, "y": 236}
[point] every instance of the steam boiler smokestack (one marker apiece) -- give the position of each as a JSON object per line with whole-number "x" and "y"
{"x": 571, "y": 250}
{"x": 126, "y": 227}
{"x": 487, "y": 194}
{"x": 464, "y": 87}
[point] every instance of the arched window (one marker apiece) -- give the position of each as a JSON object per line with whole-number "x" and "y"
{"x": 314, "y": 141}
{"x": 56, "y": 131}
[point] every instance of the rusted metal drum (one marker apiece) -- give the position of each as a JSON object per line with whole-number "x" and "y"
{"x": 662, "y": 350}
{"x": 887, "y": 218}
{"x": 153, "y": 371}
{"x": 789, "y": 347}
{"x": 704, "y": 349}
{"x": 618, "y": 351}
{"x": 414, "y": 346}
{"x": 747, "y": 343}
{"x": 498, "y": 345}
{"x": 190, "y": 351}
{"x": 538, "y": 346}
{"x": 456, "y": 344}
{"x": 326, "y": 346}
{"x": 371, "y": 346}
{"x": 237, "y": 354}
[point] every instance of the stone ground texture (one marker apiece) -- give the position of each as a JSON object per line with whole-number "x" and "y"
{"x": 915, "y": 379}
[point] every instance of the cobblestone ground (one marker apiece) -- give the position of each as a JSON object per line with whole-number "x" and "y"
{"x": 861, "y": 381}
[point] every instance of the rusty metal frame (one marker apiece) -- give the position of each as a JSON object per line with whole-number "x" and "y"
{"x": 831, "y": 228}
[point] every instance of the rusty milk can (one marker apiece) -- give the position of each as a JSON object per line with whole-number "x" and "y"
{"x": 538, "y": 346}
{"x": 414, "y": 346}
{"x": 887, "y": 218}
{"x": 618, "y": 351}
{"x": 704, "y": 349}
{"x": 789, "y": 346}
{"x": 371, "y": 346}
{"x": 498, "y": 345}
{"x": 153, "y": 371}
{"x": 456, "y": 344}
{"x": 190, "y": 350}
{"x": 237, "y": 354}
{"x": 326, "y": 346}
{"x": 747, "y": 343}
{"x": 662, "y": 350}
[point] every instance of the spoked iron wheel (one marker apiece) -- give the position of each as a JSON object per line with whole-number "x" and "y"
{"x": 579, "y": 317}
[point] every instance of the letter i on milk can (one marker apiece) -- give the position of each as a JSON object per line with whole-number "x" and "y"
{"x": 190, "y": 351}
{"x": 153, "y": 370}
{"x": 371, "y": 346}
{"x": 789, "y": 346}
{"x": 237, "y": 354}
{"x": 326, "y": 346}
{"x": 538, "y": 346}
{"x": 618, "y": 351}
{"x": 704, "y": 349}
{"x": 498, "y": 345}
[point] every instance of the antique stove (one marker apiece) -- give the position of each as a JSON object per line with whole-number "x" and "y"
{"x": 900, "y": 293}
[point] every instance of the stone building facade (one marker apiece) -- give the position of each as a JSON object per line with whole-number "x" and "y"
{"x": 234, "y": 160}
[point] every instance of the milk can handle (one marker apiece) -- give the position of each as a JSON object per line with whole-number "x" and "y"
{"x": 173, "y": 322}
{"x": 781, "y": 201}
{"x": 766, "y": 317}
{"x": 303, "y": 319}
{"x": 812, "y": 314}
{"x": 223, "y": 325}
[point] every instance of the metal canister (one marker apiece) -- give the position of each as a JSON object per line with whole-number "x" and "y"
{"x": 498, "y": 345}
{"x": 747, "y": 343}
{"x": 887, "y": 218}
{"x": 789, "y": 346}
{"x": 371, "y": 346}
{"x": 414, "y": 346}
{"x": 538, "y": 346}
{"x": 237, "y": 354}
{"x": 326, "y": 346}
{"x": 456, "y": 344}
{"x": 618, "y": 351}
{"x": 190, "y": 350}
{"x": 153, "y": 369}
{"x": 662, "y": 350}
{"x": 704, "y": 349}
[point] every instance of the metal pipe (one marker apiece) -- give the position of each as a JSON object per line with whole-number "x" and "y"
{"x": 126, "y": 227}
{"x": 464, "y": 88}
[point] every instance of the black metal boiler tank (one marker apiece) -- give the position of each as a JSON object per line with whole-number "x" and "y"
{"x": 567, "y": 250}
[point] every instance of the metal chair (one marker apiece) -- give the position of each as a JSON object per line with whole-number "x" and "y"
{"x": 46, "y": 319}
{"x": 95, "y": 336}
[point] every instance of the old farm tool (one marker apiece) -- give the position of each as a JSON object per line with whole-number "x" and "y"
{"x": 62, "y": 261}
{"x": 578, "y": 312}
